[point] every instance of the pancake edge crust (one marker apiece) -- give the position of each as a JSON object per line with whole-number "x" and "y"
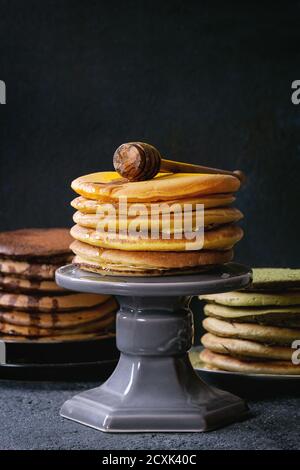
{"x": 139, "y": 259}
{"x": 33, "y": 243}
{"x": 227, "y": 363}
{"x": 254, "y": 299}
{"x": 110, "y": 187}
{"x": 262, "y": 334}
{"x": 245, "y": 349}
{"x": 223, "y": 237}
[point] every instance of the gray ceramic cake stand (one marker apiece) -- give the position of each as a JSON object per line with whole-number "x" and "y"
{"x": 154, "y": 387}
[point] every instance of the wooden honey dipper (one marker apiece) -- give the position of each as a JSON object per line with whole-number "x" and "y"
{"x": 138, "y": 161}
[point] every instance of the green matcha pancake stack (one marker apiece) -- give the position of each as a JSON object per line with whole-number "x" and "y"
{"x": 255, "y": 330}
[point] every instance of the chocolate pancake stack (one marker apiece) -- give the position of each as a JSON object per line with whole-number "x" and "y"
{"x": 255, "y": 330}
{"x": 32, "y": 305}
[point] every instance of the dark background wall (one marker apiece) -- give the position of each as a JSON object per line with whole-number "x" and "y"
{"x": 205, "y": 81}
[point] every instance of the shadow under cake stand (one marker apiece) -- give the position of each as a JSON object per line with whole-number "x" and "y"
{"x": 154, "y": 387}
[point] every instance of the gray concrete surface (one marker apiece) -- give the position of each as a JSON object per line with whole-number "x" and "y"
{"x": 29, "y": 414}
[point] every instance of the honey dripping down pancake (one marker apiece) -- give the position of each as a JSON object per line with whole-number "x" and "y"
{"x": 110, "y": 187}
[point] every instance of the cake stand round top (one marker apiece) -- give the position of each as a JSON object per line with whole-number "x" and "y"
{"x": 230, "y": 276}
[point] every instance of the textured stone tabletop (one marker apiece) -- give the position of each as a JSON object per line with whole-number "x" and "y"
{"x": 30, "y": 419}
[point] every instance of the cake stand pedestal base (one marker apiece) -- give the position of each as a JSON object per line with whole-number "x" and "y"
{"x": 154, "y": 387}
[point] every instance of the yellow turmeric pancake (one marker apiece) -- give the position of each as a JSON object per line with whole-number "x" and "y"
{"x": 142, "y": 263}
{"x": 91, "y": 206}
{"x": 109, "y": 186}
{"x": 212, "y": 217}
{"x": 220, "y": 238}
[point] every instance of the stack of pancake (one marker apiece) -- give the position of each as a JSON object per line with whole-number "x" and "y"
{"x": 121, "y": 252}
{"x": 32, "y": 305}
{"x": 252, "y": 331}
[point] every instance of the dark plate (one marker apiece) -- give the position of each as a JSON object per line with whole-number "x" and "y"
{"x": 246, "y": 385}
{"x": 71, "y": 360}
{"x": 85, "y": 371}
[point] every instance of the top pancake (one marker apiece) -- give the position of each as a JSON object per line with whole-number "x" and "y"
{"x": 35, "y": 244}
{"x": 109, "y": 186}
{"x": 275, "y": 279}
